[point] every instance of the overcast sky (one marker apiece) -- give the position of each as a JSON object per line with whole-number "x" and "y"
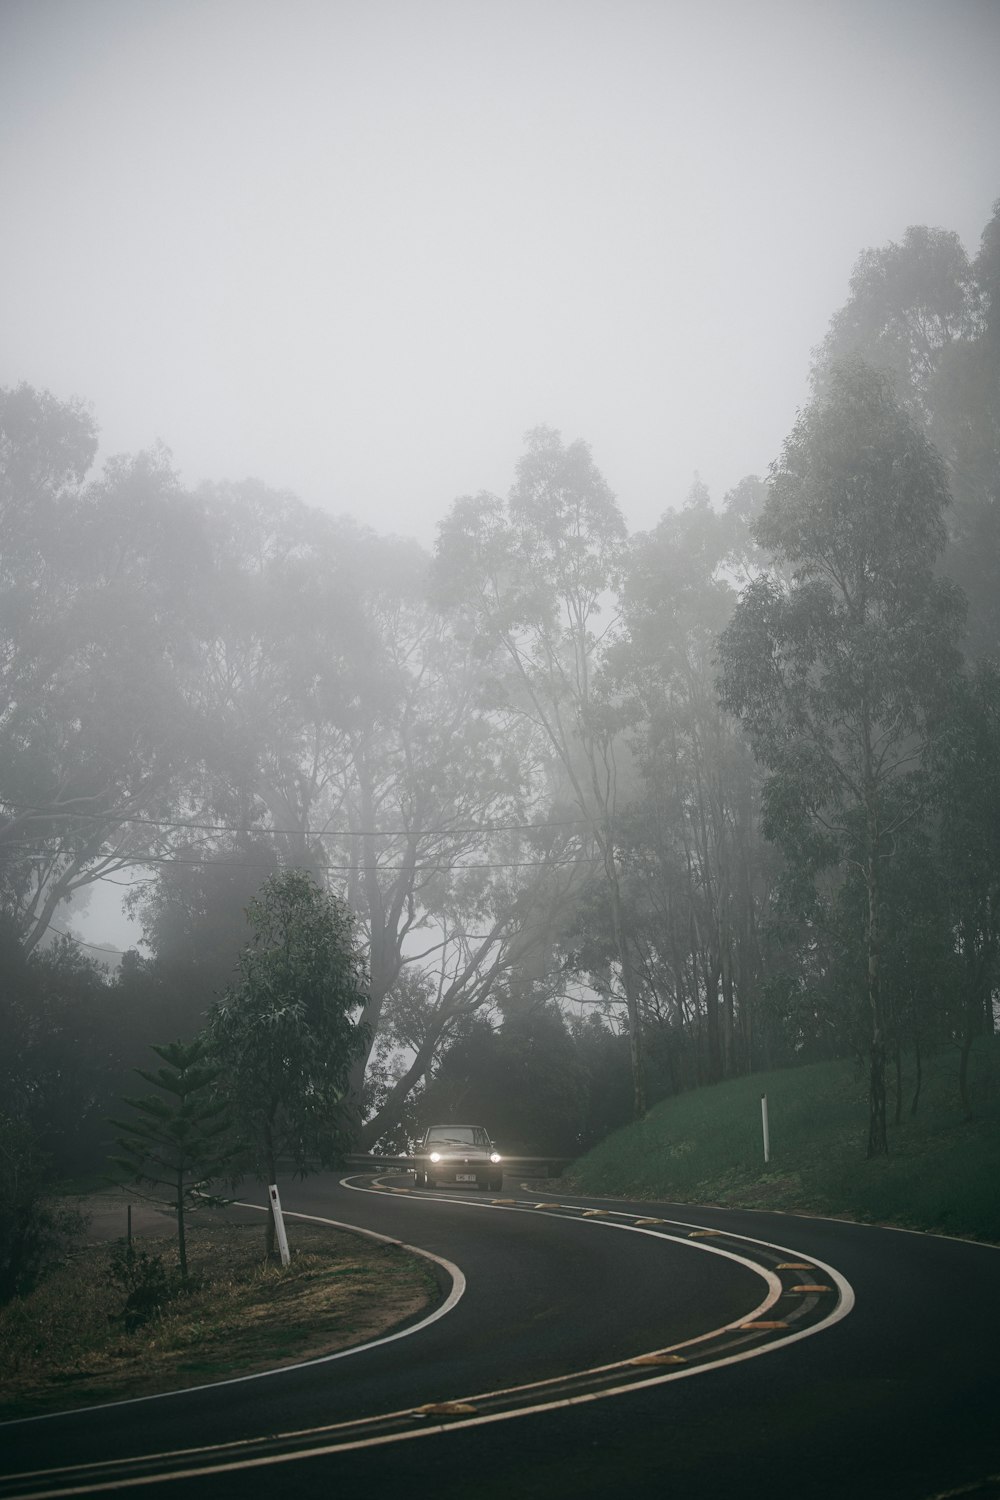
{"x": 356, "y": 248}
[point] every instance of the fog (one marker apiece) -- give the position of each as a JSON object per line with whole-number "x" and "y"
{"x": 357, "y": 250}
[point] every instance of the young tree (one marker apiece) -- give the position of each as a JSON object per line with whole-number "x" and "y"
{"x": 285, "y": 1035}
{"x": 178, "y": 1144}
{"x": 840, "y": 666}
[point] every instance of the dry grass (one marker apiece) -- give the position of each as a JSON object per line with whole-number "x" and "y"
{"x": 66, "y": 1345}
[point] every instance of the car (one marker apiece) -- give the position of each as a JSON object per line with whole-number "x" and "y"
{"x": 459, "y": 1154}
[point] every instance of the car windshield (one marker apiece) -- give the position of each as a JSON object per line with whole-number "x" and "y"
{"x": 458, "y": 1135}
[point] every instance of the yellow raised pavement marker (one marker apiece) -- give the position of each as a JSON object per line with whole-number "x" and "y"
{"x": 810, "y": 1288}
{"x": 595, "y": 1213}
{"x": 703, "y": 1234}
{"x": 649, "y": 1221}
{"x": 775, "y": 1323}
{"x": 659, "y": 1359}
{"x": 794, "y": 1265}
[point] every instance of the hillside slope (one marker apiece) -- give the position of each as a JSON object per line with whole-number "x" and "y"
{"x": 942, "y": 1173}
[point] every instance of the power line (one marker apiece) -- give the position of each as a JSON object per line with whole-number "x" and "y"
{"x": 313, "y": 834}
{"x": 417, "y": 869}
{"x": 106, "y": 949}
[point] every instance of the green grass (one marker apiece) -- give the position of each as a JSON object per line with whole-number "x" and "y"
{"x": 942, "y": 1172}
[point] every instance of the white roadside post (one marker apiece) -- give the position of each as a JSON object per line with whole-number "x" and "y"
{"x": 767, "y": 1133}
{"x": 279, "y": 1224}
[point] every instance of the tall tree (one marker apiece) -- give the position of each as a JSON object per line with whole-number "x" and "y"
{"x": 285, "y": 1035}
{"x": 531, "y": 580}
{"x": 928, "y": 315}
{"x": 967, "y": 850}
{"x": 96, "y": 729}
{"x": 840, "y": 669}
{"x": 693, "y": 881}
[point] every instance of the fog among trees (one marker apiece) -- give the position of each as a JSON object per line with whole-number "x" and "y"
{"x": 613, "y": 816}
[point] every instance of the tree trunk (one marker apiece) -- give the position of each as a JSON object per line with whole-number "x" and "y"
{"x": 711, "y": 976}
{"x": 730, "y": 1063}
{"x": 973, "y": 1017}
{"x": 898, "y": 1112}
{"x": 390, "y": 1112}
{"x": 920, "y": 1076}
{"x": 631, "y": 1002}
{"x": 181, "y": 1237}
{"x": 878, "y": 1140}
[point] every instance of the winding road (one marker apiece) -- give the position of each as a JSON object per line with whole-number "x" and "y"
{"x": 588, "y": 1347}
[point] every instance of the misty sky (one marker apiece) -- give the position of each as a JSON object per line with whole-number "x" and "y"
{"x": 357, "y": 249}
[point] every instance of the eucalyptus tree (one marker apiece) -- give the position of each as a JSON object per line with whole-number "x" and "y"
{"x": 693, "y": 855}
{"x": 530, "y": 580}
{"x": 427, "y": 789}
{"x": 840, "y": 667}
{"x": 97, "y": 728}
{"x": 491, "y": 931}
{"x": 967, "y": 863}
{"x": 908, "y": 303}
{"x": 353, "y": 735}
{"x": 930, "y": 316}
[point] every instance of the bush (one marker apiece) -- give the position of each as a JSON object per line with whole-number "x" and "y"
{"x": 34, "y": 1230}
{"x": 147, "y": 1283}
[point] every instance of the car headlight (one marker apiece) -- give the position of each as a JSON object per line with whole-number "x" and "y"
{"x": 494, "y": 1156}
{"x": 435, "y": 1156}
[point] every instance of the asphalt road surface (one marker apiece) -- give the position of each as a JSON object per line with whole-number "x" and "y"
{"x": 589, "y": 1347}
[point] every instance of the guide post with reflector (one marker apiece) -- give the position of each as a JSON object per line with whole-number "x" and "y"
{"x": 279, "y": 1224}
{"x": 767, "y": 1133}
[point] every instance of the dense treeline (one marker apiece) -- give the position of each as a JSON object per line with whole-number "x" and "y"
{"x": 616, "y": 815}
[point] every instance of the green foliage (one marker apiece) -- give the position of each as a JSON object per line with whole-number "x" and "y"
{"x": 34, "y": 1228}
{"x": 147, "y": 1284}
{"x": 908, "y": 303}
{"x": 290, "y": 676}
{"x": 529, "y": 582}
{"x": 179, "y": 1140}
{"x": 840, "y": 664}
{"x": 923, "y": 312}
{"x": 96, "y": 584}
{"x": 64, "y": 1042}
{"x": 284, "y": 1037}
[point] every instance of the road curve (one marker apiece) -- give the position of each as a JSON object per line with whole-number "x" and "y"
{"x": 831, "y": 1359}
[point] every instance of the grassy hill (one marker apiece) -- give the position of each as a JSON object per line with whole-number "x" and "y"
{"x": 942, "y": 1173}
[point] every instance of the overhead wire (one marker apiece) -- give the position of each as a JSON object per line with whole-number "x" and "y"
{"x": 253, "y": 864}
{"x": 334, "y": 833}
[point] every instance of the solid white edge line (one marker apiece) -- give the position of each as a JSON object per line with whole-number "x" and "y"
{"x": 458, "y": 1285}
{"x": 842, "y": 1310}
